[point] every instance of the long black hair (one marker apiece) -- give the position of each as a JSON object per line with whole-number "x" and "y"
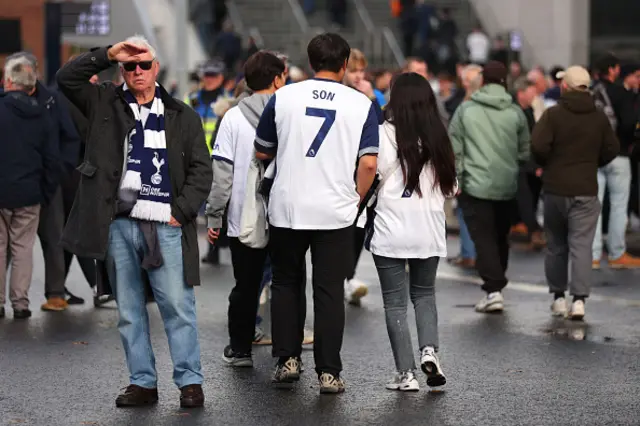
{"x": 420, "y": 133}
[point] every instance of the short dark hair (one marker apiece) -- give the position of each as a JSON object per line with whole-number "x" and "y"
{"x": 261, "y": 69}
{"x": 608, "y": 61}
{"x": 328, "y": 52}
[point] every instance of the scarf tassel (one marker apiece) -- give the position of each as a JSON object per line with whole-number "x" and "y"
{"x": 131, "y": 181}
{"x": 152, "y": 210}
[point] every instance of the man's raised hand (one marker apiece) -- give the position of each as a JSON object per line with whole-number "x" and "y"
{"x": 126, "y": 52}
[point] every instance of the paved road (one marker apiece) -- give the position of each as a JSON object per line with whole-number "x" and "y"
{"x": 519, "y": 368}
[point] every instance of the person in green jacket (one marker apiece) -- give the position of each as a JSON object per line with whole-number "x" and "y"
{"x": 490, "y": 139}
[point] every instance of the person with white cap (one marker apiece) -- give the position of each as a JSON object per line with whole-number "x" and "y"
{"x": 570, "y": 141}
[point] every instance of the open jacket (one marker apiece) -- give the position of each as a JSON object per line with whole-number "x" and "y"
{"x": 110, "y": 122}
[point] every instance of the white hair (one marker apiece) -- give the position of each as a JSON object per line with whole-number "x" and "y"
{"x": 21, "y": 72}
{"x": 138, "y": 40}
{"x": 474, "y": 80}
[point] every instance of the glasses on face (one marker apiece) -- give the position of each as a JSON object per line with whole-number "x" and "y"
{"x": 131, "y": 66}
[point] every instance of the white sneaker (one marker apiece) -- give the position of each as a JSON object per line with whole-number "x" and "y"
{"x": 308, "y": 336}
{"x": 354, "y": 290}
{"x": 264, "y": 296}
{"x": 431, "y": 367}
{"x": 405, "y": 382}
{"x": 492, "y": 302}
{"x": 559, "y": 307}
{"x": 577, "y": 310}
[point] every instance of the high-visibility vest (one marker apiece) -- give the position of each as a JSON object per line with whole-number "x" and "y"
{"x": 205, "y": 111}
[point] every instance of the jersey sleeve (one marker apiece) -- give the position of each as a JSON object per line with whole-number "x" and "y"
{"x": 223, "y": 147}
{"x": 266, "y": 133}
{"x": 370, "y": 140}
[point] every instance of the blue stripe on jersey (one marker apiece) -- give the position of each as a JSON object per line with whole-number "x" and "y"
{"x": 266, "y": 133}
{"x": 220, "y": 158}
{"x": 370, "y": 140}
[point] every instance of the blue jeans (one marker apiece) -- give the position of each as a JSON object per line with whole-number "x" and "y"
{"x": 175, "y": 300}
{"x": 421, "y": 290}
{"x": 467, "y": 248}
{"x": 616, "y": 176}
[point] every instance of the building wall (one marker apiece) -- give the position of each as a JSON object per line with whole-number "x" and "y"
{"x": 555, "y": 32}
{"x": 31, "y": 15}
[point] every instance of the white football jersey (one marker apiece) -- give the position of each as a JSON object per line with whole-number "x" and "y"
{"x": 317, "y": 130}
{"x": 405, "y": 225}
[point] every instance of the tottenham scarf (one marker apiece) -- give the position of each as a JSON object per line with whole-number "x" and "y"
{"x": 147, "y": 163}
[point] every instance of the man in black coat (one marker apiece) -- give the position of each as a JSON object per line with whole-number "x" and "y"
{"x": 146, "y": 173}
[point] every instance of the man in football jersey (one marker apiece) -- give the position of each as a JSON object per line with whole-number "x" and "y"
{"x": 317, "y": 131}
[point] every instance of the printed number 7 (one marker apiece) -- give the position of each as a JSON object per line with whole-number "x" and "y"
{"x": 329, "y": 116}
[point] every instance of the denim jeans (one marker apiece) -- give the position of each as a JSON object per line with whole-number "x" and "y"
{"x": 421, "y": 289}
{"x": 616, "y": 176}
{"x": 467, "y": 248}
{"x": 175, "y": 300}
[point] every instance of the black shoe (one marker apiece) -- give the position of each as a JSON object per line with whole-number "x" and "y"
{"x": 74, "y": 300}
{"x": 21, "y": 313}
{"x": 136, "y": 396}
{"x": 191, "y": 396}
{"x": 2, "y": 312}
{"x": 211, "y": 260}
{"x": 237, "y": 359}
{"x": 287, "y": 373}
{"x": 101, "y": 300}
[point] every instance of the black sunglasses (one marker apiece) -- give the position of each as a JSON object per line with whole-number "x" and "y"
{"x": 131, "y": 66}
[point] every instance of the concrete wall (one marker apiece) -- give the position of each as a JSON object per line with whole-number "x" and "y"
{"x": 555, "y": 32}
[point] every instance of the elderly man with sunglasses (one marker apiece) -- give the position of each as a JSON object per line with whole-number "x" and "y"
{"x": 145, "y": 174}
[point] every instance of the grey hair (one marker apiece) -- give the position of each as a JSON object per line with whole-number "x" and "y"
{"x": 21, "y": 72}
{"x": 24, "y": 54}
{"x": 138, "y": 40}
{"x": 476, "y": 81}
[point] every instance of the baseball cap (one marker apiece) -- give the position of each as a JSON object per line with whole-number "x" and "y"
{"x": 576, "y": 77}
{"x": 494, "y": 72}
{"x": 522, "y": 83}
{"x": 213, "y": 67}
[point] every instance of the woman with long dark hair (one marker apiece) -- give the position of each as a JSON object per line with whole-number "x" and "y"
{"x": 417, "y": 172}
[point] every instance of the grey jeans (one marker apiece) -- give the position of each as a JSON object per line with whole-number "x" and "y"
{"x": 395, "y": 289}
{"x": 569, "y": 224}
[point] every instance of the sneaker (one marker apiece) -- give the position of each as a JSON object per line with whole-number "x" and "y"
{"x": 462, "y": 262}
{"x": 492, "y": 302}
{"x": 308, "y": 336}
{"x": 21, "y": 313}
{"x": 626, "y": 261}
{"x": 595, "y": 264}
{"x": 191, "y": 396}
{"x": 431, "y": 367}
{"x": 330, "y": 383}
{"x": 236, "y": 359}
{"x": 577, "y": 310}
{"x": 287, "y": 373}
{"x": 405, "y": 382}
{"x": 55, "y": 304}
{"x": 559, "y": 307}
{"x": 260, "y": 338}
{"x": 355, "y": 290}
{"x": 538, "y": 241}
{"x": 72, "y": 299}
{"x": 137, "y": 396}
{"x": 264, "y": 296}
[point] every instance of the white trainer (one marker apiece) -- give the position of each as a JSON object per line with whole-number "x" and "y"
{"x": 405, "y": 382}
{"x": 354, "y": 290}
{"x": 430, "y": 365}
{"x": 559, "y": 307}
{"x": 577, "y": 310}
{"x": 492, "y": 302}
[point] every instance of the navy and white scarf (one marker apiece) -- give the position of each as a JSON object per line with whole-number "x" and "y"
{"x": 147, "y": 163}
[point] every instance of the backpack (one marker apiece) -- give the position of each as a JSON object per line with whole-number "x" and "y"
{"x": 603, "y": 103}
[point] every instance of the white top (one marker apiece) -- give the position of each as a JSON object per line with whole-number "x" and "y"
{"x": 406, "y": 226}
{"x": 234, "y": 144}
{"x": 317, "y": 129}
{"x": 479, "y": 45}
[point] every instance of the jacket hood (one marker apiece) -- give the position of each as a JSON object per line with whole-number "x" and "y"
{"x": 494, "y": 96}
{"x": 578, "y": 102}
{"x": 22, "y": 104}
{"x": 253, "y": 106}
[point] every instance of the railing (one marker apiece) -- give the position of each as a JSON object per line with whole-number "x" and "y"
{"x": 380, "y": 44}
{"x": 238, "y": 24}
{"x": 306, "y": 29}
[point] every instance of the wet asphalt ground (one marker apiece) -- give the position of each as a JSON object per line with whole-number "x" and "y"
{"x": 518, "y": 368}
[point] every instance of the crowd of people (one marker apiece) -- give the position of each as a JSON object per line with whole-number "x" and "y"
{"x": 350, "y": 158}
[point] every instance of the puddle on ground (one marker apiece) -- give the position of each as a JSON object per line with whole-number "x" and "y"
{"x": 575, "y": 330}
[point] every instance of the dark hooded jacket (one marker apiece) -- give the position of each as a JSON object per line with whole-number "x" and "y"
{"x": 571, "y": 141}
{"x": 29, "y": 156}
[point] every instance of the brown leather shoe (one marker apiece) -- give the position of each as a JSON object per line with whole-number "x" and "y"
{"x": 136, "y": 396}
{"x": 191, "y": 396}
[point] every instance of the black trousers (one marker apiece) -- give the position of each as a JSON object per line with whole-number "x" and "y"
{"x": 489, "y": 223}
{"x": 50, "y": 229}
{"x": 331, "y": 257}
{"x": 529, "y": 188}
{"x": 248, "y": 266}
{"x": 358, "y": 240}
